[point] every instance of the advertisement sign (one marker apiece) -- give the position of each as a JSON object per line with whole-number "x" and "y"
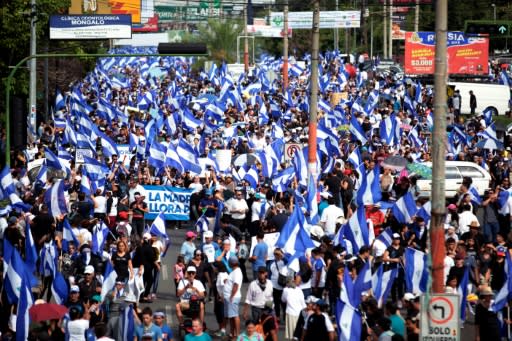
{"x": 398, "y": 27}
{"x": 328, "y": 19}
{"x": 174, "y": 202}
{"x": 125, "y": 155}
{"x": 90, "y": 26}
{"x": 190, "y": 13}
{"x": 466, "y": 55}
{"x": 80, "y": 153}
{"x": 127, "y": 7}
{"x": 267, "y": 31}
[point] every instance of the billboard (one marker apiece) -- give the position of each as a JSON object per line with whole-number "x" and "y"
{"x": 328, "y": 19}
{"x": 466, "y": 55}
{"x": 90, "y": 26}
{"x": 131, "y": 7}
{"x": 190, "y": 13}
{"x": 398, "y": 26}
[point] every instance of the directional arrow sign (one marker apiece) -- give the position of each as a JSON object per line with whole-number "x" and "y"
{"x": 502, "y": 29}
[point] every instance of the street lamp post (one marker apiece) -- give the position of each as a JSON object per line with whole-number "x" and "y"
{"x": 494, "y": 11}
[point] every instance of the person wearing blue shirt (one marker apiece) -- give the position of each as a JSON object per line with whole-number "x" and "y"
{"x": 159, "y": 320}
{"x": 147, "y": 327}
{"x": 259, "y": 254}
{"x": 188, "y": 247}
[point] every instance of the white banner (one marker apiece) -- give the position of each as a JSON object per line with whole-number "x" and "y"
{"x": 328, "y": 19}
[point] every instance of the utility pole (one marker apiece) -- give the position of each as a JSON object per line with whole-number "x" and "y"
{"x": 371, "y": 37}
{"x": 437, "y": 249}
{"x": 364, "y": 31}
{"x": 390, "y": 53}
{"x": 313, "y": 101}
{"x": 417, "y": 16}
{"x": 246, "y": 42}
{"x": 285, "y": 46}
{"x": 31, "y": 122}
{"x": 385, "y": 30}
{"x": 336, "y": 34}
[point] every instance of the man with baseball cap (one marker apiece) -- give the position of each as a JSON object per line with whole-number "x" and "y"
{"x": 188, "y": 287}
{"x": 318, "y": 325}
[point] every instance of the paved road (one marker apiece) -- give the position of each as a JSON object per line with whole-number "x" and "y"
{"x": 166, "y": 299}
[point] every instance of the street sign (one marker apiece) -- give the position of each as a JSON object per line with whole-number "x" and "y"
{"x": 495, "y": 29}
{"x": 440, "y": 317}
{"x": 290, "y": 149}
{"x": 328, "y": 19}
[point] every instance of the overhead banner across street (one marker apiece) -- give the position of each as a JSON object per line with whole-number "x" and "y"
{"x": 466, "y": 55}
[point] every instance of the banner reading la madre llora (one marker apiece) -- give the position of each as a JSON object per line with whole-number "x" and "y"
{"x": 174, "y": 202}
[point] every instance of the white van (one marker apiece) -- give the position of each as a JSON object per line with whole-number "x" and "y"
{"x": 487, "y": 95}
{"x": 454, "y": 172}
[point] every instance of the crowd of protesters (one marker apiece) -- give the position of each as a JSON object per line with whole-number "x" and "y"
{"x": 216, "y": 261}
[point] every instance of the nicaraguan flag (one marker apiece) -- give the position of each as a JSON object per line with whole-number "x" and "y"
{"x": 416, "y": 271}
{"x": 371, "y": 103}
{"x": 356, "y": 229}
{"x": 295, "y": 70}
{"x": 22, "y": 317}
{"x": 355, "y": 158}
{"x": 382, "y": 282}
{"x": 283, "y": 179}
{"x": 424, "y": 211}
{"x": 312, "y": 202}
{"x": 68, "y": 235}
{"x": 8, "y": 190}
{"x": 201, "y": 225}
{"x": 157, "y": 155}
{"x": 386, "y": 237}
{"x": 30, "y": 248}
{"x": 363, "y": 280}
{"x": 294, "y": 239}
{"x": 475, "y": 197}
{"x": 405, "y": 208}
{"x": 55, "y": 200}
{"x": 99, "y": 237}
{"x": 462, "y": 290}
{"x": 127, "y": 323}
{"x": 109, "y": 280}
{"x": 251, "y": 176}
{"x": 172, "y": 159}
{"x": 59, "y": 288}
{"x": 95, "y": 170}
{"x": 369, "y": 192}
{"x": 188, "y": 157}
{"x": 109, "y": 146}
{"x": 349, "y": 322}
{"x": 158, "y": 227}
{"x": 14, "y": 271}
{"x": 505, "y": 293}
{"x": 357, "y": 131}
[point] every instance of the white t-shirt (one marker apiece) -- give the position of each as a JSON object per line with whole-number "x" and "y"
{"x": 222, "y": 277}
{"x": 274, "y": 273}
{"x": 234, "y": 204}
{"x": 328, "y": 323}
{"x": 100, "y": 204}
{"x": 209, "y": 252}
{"x": 329, "y": 216}
{"x": 196, "y": 187}
{"x": 235, "y": 277}
{"x": 77, "y": 329}
{"x": 196, "y": 284}
{"x": 294, "y": 300}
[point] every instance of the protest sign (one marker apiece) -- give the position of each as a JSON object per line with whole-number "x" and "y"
{"x": 174, "y": 202}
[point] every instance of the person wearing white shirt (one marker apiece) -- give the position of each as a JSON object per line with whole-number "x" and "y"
{"x": 294, "y": 300}
{"x": 232, "y": 295}
{"x": 134, "y": 188}
{"x": 329, "y": 216}
{"x": 100, "y": 330}
{"x": 259, "y": 292}
{"x": 186, "y": 288}
{"x": 278, "y": 267}
{"x": 208, "y": 247}
{"x": 466, "y": 218}
{"x": 237, "y": 208}
{"x": 196, "y": 186}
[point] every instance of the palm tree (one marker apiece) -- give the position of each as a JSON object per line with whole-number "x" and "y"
{"x": 220, "y": 37}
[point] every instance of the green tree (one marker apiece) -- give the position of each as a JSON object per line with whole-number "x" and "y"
{"x": 220, "y": 37}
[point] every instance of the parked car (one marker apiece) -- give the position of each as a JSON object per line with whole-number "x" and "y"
{"x": 454, "y": 173}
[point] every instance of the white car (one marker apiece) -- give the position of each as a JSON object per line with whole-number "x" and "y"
{"x": 454, "y": 172}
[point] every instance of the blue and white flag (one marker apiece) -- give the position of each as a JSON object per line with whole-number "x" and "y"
{"x": 59, "y": 288}
{"x": 95, "y": 170}
{"x": 369, "y": 192}
{"x": 9, "y": 191}
{"x": 475, "y": 197}
{"x": 172, "y": 159}
{"x": 355, "y": 158}
{"x": 282, "y": 180}
{"x": 251, "y": 176}
{"x": 357, "y": 131}
{"x": 416, "y": 271}
{"x": 22, "y": 317}
{"x": 505, "y": 294}
{"x": 462, "y": 290}
{"x": 312, "y": 202}
{"x": 30, "y": 248}
{"x": 188, "y": 157}
{"x": 386, "y": 237}
{"x": 295, "y": 70}
{"x": 294, "y": 239}
{"x": 55, "y": 199}
{"x": 405, "y": 208}
{"x": 382, "y": 282}
{"x": 14, "y": 271}
{"x": 99, "y": 237}
{"x": 363, "y": 281}
{"x": 349, "y": 322}
{"x": 356, "y": 229}
{"x": 127, "y": 323}
{"x": 68, "y": 235}
{"x": 424, "y": 211}
{"x": 109, "y": 280}
{"x": 201, "y": 225}
{"x": 157, "y": 155}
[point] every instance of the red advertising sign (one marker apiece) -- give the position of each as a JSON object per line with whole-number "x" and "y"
{"x": 466, "y": 55}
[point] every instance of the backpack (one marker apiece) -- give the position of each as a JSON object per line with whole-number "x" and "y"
{"x": 305, "y": 272}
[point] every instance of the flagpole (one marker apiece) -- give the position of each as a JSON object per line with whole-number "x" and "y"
{"x": 285, "y": 47}
{"x": 437, "y": 247}
{"x": 313, "y": 102}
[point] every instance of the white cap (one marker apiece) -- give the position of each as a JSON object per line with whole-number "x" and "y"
{"x": 74, "y": 288}
{"x": 325, "y": 194}
{"x": 146, "y": 235}
{"x": 191, "y": 269}
{"x": 89, "y": 269}
{"x": 396, "y": 236}
{"x": 208, "y": 234}
{"x": 409, "y": 296}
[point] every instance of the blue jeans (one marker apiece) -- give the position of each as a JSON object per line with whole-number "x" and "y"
{"x": 491, "y": 230}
